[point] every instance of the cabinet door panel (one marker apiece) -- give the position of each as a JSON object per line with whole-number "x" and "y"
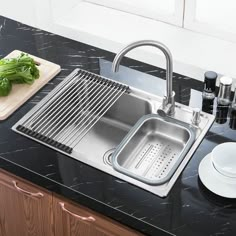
{"x": 25, "y": 209}
{"x": 74, "y": 220}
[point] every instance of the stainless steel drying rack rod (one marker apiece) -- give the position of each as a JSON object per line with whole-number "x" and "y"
{"x": 72, "y": 109}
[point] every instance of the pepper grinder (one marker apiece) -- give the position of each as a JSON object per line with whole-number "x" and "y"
{"x": 209, "y": 85}
{"x": 208, "y": 94}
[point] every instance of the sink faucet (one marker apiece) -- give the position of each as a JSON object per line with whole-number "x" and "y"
{"x": 168, "y": 103}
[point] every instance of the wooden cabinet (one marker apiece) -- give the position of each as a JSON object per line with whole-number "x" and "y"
{"x": 25, "y": 210}
{"x": 74, "y": 220}
{"x": 28, "y": 210}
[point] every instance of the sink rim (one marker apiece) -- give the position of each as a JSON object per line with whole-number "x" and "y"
{"x": 182, "y": 112}
{"x": 187, "y": 146}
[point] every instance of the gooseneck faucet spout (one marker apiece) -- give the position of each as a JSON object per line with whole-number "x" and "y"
{"x": 168, "y": 105}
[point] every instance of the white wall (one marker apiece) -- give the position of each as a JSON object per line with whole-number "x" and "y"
{"x": 193, "y": 53}
{"x": 23, "y": 11}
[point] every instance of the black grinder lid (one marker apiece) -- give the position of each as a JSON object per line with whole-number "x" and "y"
{"x": 210, "y": 81}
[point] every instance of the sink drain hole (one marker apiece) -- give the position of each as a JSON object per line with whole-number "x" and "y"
{"x": 107, "y": 156}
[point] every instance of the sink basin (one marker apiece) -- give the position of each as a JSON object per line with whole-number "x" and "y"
{"x": 109, "y": 131}
{"x": 97, "y": 145}
{"x": 153, "y": 149}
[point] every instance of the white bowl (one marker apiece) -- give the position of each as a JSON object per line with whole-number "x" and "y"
{"x": 216, "y": 182}
{"x": 223, "y": 158}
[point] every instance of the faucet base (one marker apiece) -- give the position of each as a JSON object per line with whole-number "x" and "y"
{"x": 168, "y": 106}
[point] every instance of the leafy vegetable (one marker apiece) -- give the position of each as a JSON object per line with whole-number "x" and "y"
{"x": 5, "y": 87}
{"x": 18, "y": 70}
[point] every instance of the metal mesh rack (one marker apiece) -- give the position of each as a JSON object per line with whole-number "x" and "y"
{"x": 72, "y": 109}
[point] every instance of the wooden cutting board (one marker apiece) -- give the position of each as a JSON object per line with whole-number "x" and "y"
{"x": 20, "y": 93}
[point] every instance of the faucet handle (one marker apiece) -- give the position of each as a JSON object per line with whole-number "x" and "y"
{"x": 168, "y": 106}
{"x": 165, "y": 107}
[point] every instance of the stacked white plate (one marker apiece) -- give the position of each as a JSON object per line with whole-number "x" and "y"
{"x": 217, "y": 170}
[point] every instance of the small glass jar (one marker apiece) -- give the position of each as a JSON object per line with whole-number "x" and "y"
{"x": 224, "y": 90}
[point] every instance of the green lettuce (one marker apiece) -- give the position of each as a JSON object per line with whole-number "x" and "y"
{"x": 19, "y": 70}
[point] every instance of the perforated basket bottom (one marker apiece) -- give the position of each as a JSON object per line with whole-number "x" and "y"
{"x": 154, "y": 158}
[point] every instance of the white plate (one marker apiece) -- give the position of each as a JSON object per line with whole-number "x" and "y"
{"x": 216, "y": 182}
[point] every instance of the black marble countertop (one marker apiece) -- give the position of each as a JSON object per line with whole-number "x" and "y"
{"x": 189, "y": 209}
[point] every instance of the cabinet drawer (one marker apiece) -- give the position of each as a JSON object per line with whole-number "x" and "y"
{"x": 25, "y": 208}
{"x": 75, "y": 220}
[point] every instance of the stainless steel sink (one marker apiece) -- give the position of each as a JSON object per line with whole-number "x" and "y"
{"x": 87, "y": 116}
{"x": 101, "y": 140}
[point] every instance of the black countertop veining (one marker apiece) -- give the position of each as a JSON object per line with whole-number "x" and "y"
{"x": 189, "y": 209}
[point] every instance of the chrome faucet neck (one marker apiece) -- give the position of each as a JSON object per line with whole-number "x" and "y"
{"x": 168, "y": 102}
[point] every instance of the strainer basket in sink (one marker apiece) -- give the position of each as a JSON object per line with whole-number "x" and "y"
{"x": 153, "y": 149}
